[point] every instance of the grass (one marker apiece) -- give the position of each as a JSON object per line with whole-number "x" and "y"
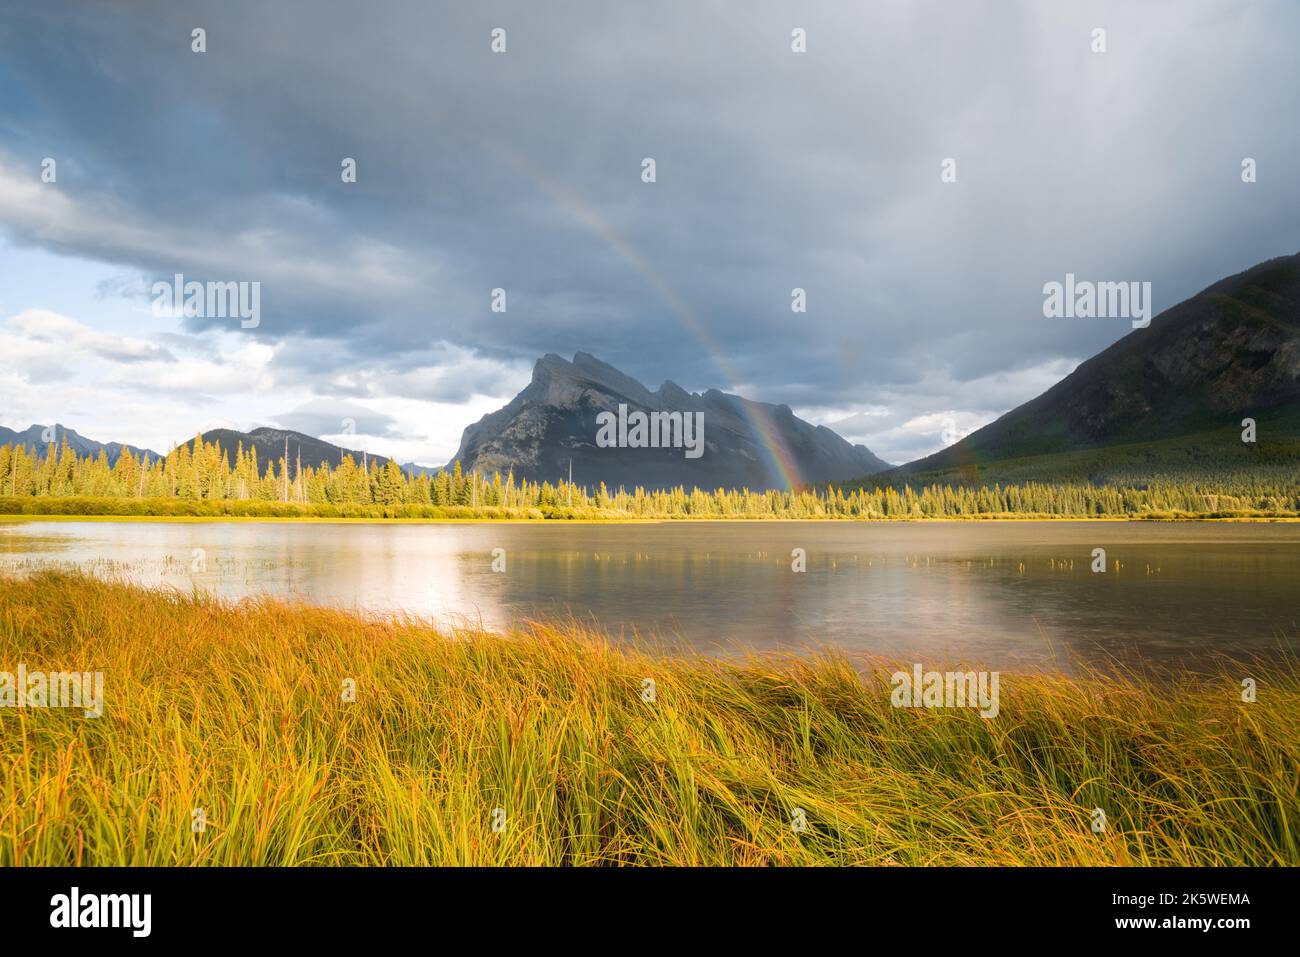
{"x": 236, "y": 708}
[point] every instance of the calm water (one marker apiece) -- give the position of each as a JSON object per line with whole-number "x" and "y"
{"x": 1002, "y": 594}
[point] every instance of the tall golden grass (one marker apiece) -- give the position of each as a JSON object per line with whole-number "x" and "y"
{"x": 237, "y": 709}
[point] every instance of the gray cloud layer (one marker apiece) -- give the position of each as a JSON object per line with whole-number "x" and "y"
{"x": 775, "y": 170}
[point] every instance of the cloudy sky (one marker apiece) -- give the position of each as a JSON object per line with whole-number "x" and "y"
{"x": 522, "y": 170}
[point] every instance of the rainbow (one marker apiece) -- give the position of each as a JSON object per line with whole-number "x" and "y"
{"x": 779, "y": 462}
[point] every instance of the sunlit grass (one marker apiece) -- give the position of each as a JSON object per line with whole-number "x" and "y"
{"x": 236, "y": 708}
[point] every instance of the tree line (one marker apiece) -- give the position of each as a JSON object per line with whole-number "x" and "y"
{"x": 199, "y": 478}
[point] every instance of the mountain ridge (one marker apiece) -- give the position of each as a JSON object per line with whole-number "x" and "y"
{"x": 1230, "y": 351}
{"x": 34, "y": 439}
{"x": 555, "y": 421}
{"x": 270, "y": 442}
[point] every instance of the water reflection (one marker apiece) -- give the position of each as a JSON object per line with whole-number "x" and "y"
{"x": 1006, "y": 594}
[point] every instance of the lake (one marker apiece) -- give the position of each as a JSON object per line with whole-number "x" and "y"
{"x": 1004, "y": 594}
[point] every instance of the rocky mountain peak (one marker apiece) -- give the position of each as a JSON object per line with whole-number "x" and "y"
{"x": 554, "y": 421}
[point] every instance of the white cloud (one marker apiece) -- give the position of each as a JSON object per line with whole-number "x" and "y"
{"x": 41, "y": 335}
{"x": 898, "y": 435}
{"x": 137, "y": 390}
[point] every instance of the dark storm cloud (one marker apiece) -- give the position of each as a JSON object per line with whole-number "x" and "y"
{"x": 775, "y": 170}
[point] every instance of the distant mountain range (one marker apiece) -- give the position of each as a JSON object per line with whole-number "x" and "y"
{"x": 1175, "y": 392}
{"x": 1172, "y": 395}
{"x": 37, "y": 439}
{"x": 269, "y": 443}
{"x": 556, "y": 422}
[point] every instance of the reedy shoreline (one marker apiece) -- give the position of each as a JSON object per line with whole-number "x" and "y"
{"x": 236, "y": 708}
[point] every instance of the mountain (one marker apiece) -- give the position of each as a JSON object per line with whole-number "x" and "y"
{"x": 270, "y": 446}
{"x": 557, "y": 420}
{"x": 38, "y": 438}
{"x": 269, "y": 443}
{"x": 1175, "y": 391}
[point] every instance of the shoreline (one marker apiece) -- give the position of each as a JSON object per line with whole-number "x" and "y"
{"x": 11, "y": 518}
